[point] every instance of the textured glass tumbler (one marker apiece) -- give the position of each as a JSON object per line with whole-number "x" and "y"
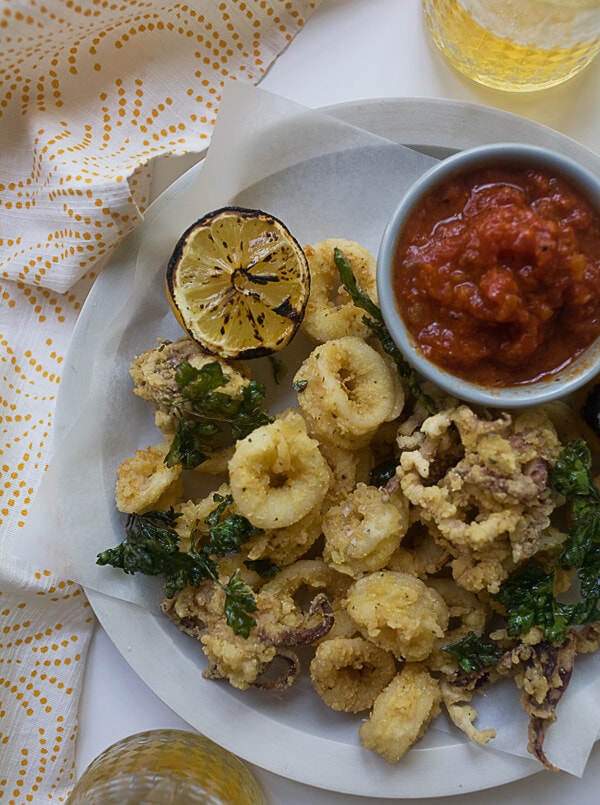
{"x": 166, "y": 767}
{"x": 516, "y": 45}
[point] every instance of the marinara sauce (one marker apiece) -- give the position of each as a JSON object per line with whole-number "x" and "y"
{"x": 497, "y": 275}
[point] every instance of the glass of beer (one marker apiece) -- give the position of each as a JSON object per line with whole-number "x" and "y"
{"x": 516, "y": 45}
{"x": 166, "y": 767}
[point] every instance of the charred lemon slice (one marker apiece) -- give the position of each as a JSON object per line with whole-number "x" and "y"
{"x": 238, "y": 283}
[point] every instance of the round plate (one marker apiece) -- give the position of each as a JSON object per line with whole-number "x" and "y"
{"x": 294, "y": 735}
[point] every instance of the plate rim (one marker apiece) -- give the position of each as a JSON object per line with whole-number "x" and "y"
{"x": 399, "y": 119}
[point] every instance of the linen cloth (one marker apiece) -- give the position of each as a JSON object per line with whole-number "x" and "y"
{"x": 90, "y": 94}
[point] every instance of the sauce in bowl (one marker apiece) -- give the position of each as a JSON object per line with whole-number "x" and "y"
{"x": 496, "y": 274}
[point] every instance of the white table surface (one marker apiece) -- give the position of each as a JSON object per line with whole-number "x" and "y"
{"x": 349, "y": 50}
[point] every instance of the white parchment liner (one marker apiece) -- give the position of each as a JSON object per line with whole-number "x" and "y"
{"x": 323, "y": 178}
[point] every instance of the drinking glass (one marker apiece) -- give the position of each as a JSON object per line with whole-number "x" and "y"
{"x": 517, "y": 45}
{"x": 166, "y": 767}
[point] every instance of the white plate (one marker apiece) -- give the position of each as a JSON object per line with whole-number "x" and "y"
{"x": 293, "y": 735}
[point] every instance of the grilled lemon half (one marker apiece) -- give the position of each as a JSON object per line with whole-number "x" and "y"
{"x": 238, "y": 283}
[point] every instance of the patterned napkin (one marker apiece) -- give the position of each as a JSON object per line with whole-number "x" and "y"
{"x": 90, "y": 94}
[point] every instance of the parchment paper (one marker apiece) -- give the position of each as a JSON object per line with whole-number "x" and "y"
{"x": 324, "y": 178}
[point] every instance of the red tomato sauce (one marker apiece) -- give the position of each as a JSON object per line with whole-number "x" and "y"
{"x": 497, "y": 275}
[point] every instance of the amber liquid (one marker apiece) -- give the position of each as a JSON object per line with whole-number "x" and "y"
{"x": 166, "y": 767}
{"x": 539, "y": 45}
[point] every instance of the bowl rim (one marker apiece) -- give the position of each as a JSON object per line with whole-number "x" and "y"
{"x": 560, "y": 384}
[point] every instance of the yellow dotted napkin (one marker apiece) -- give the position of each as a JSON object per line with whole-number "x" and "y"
{"x": 90, "y": 94}
{"x": 92, "y": 90}
{"x": 45, "y": 626}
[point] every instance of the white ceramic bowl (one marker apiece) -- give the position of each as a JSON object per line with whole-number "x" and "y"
{"x": 559, "y": 384}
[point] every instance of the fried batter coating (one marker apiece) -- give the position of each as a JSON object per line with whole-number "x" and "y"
{"x": 238, "y": 659}
{"x": 350, "y": 390}
{"x": 330, "y": 312}
{"x": 286, "y": 545}
{"x": 567, "y": 423}
{"x": 462, "y": 713}
{"x": 277, "y": 473}
{"x": 153, "y": 374}
{"x": 467, "y": 614}
{"x": 193, "y": 513}
{"x": 343, "y": 625}
{"x": 144, "y": 481}
{"x": 542, "y": 672}
{"x": 402, "y": 713}
{"x": 349, "y": 673}
{"x": 363, "y": 531}
{"x": 199, "y": 612}
{"x": 348, "y": 467}
{"x": 418, "y": 554}
{"x": 398, "y": 612}
{"x": 279, "y": 623}
{"x": 490, "y": 508}
{"x": 305, "y": 574}
{"x": 375, "y": 600}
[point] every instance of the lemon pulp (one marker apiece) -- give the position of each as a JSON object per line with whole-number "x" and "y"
{"x": 238, "y": 283}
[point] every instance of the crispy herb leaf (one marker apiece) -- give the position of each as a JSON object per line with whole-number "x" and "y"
{"x": 299, "y": 385}
{"x": 279, "y": 369}
{"x": 473, "y": 653}
{"x": 151, "y": 547}
{"x": 230, "y": 534}
{"x": 528, "y": 595}
{"x": 227, "y": 534}
{"x": 589, "y": 579}
{"x": 250, "y": 415}
{"x": 584, "y": 535}
{"x": 191, "y": 444}
{"x": 239, "y": 603}
{"x": 214, "y": 516}
{"x": 572, "y": 477}
{"x": 375, "y": 323}
{"x": 572, "y": 474}
{"x": 528, "y": 598}
{"x": 203, "y": 409}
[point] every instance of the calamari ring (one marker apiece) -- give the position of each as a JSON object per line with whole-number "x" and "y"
{"x": 398, "y": 612}
{"x": 301, "y": 601}
{"x": 277, "y": 473}
{"x": 311, "y": 573}
{"x": 350, "y": 673}
{"x": 363, "y": 531}
{"x": 348, "y": 391}
{"x": 286, "y": 545}
{"x": 145, "y": 482}
{"x": 343, "y": 625}
{"x": 330, "y": 312}
{"x": 402, "y": 713}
